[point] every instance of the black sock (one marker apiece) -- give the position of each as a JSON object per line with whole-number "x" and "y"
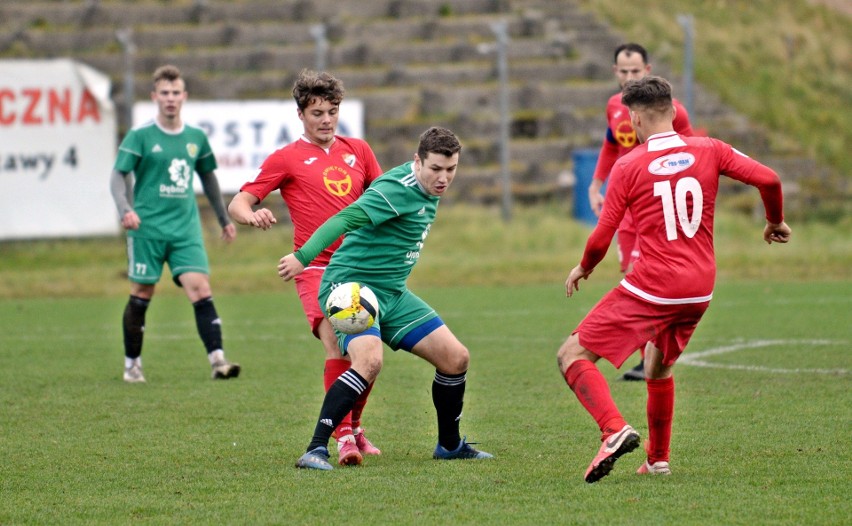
{"x": 448, "y": 397}
{"x": 133, "y": 324}
{"x": 208, "y": 323}
{"x": 338, "y": 401}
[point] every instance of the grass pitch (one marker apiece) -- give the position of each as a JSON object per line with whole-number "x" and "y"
{"x": 761, "y": 432}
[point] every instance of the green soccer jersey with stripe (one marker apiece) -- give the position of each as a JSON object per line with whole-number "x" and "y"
{"x": 383, "y": 252}
{"x": 164, "y": 165}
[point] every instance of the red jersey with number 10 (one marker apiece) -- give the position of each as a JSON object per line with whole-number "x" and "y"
{"x": 669, "y": 184}
{"x": 316, "y": 184}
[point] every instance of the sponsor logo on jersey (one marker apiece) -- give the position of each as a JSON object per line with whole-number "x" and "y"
{"x": 180, "y": 174}
{"x": 156, "y": 149}
{"x": 337, "y": 181}
{"x": 671, "y": 164}
{"x": 192, "y": 149}
{"x": 310, "y": 160}
{"x": 349, "y": 159}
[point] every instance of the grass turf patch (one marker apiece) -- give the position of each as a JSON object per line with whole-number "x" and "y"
{"x": 749, "y": 446}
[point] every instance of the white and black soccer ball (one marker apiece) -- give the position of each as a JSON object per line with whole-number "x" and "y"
{"x": 351, "y": 308}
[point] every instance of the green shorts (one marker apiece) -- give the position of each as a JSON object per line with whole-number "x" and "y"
{"x": 145, "y": 258}
{"x": 400, "y": 313}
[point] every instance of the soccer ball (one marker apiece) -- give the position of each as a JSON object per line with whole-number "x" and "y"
{"x": 351, "y": 308}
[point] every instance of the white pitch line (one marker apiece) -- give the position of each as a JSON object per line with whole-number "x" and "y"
{"x": 694, "y": 358}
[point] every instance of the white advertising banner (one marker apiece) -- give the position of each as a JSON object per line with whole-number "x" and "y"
{"x": 244, "y": 133}
{"x": 57, "y": 147}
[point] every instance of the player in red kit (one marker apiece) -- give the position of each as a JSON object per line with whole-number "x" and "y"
{"x": 630, "y": 63}
{"x": 669, "y": 183}
{"x": 317, "y": 175}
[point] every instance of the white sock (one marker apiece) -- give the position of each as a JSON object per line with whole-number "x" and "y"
{"x": 344, "y": 439}
{"x": 216, "y": 356}
{"x": 130, "y": 362}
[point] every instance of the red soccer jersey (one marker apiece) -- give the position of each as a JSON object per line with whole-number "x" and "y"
{"x": 669, "y": 184}
{"x": 621, "y": 137}
{"x": 316, "y": 184}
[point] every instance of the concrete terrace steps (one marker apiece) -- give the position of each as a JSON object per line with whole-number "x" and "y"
{"x": 413, "y": 63}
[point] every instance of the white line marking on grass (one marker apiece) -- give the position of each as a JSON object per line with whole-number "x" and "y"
{"x": 695, "y": 358}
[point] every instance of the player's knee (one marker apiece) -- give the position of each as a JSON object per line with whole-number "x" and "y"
{"x": 458, "y": 360}
{"x": 569, "y": 352}
{"x": 367, "y": 362}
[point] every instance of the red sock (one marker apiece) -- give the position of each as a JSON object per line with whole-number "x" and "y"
{"x": 660, "y": 414}
{"x": 591, "y": 389}
{"x": 358, "y": 408}
{"x": 333, "y": 369}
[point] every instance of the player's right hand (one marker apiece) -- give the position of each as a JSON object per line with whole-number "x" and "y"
{"x": 573, "y": 281}
{"x": 596, "y": 198}
{"x": 262, "y": 219}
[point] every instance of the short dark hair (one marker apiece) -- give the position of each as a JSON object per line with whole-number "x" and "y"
{"x": 311, "y": 85}
{"x": 650, "y": 93}
{"x": 168, "y": 72}
{"x": 438, "y": 140}
{"x": 630, "y": 47}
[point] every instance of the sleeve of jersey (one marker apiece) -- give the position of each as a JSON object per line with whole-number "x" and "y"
{"x": 128, "y": 153}
{"x": 206, "y": 160}
{"x": 769, "y": 185}
{"x": 272, "y": 172}
{"x": 374, "y": 169}
{"x": 606, "y": 158}
{"x": 596, "y": 246}
{"x": 350, "y": 218}
{"x": 681, "y": 121}
{"x": 743, "y": 168}
{"x": 613, "y": 212}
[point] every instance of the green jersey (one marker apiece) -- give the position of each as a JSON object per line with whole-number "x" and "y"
{"x": 164, "y": 166}
{"x": 383, "y": 252}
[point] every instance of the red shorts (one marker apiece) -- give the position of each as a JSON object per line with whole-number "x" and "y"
{"x": 307, "y": 286}
{"x": 621, "y": 323}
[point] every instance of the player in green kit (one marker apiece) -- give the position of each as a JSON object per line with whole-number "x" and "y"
{"x": 385, "y": 232}
{"x": 162, "y": 220}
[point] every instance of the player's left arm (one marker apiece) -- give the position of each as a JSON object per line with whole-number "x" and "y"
{"x": 742, "y": 168}
{"x": 769, "y": 185}
{"x": 210, "y": 184}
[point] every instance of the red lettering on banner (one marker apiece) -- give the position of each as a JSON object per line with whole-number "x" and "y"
{"x": 88, "y": 108}
{"x": 61, "y": 105}
{"x": 29, "y": 114}
{"x": 6, "y": 118}
{"x": 37, "y": 106}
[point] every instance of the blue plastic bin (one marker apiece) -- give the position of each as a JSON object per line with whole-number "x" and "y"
{"x": 585, "y": 160}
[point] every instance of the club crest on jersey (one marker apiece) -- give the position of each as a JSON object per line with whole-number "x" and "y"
{"x": 625, "y": 134}
{"x": 192, "y": 149}
{"x": 671, "y": 164}
{"x": 349, "y": 159}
